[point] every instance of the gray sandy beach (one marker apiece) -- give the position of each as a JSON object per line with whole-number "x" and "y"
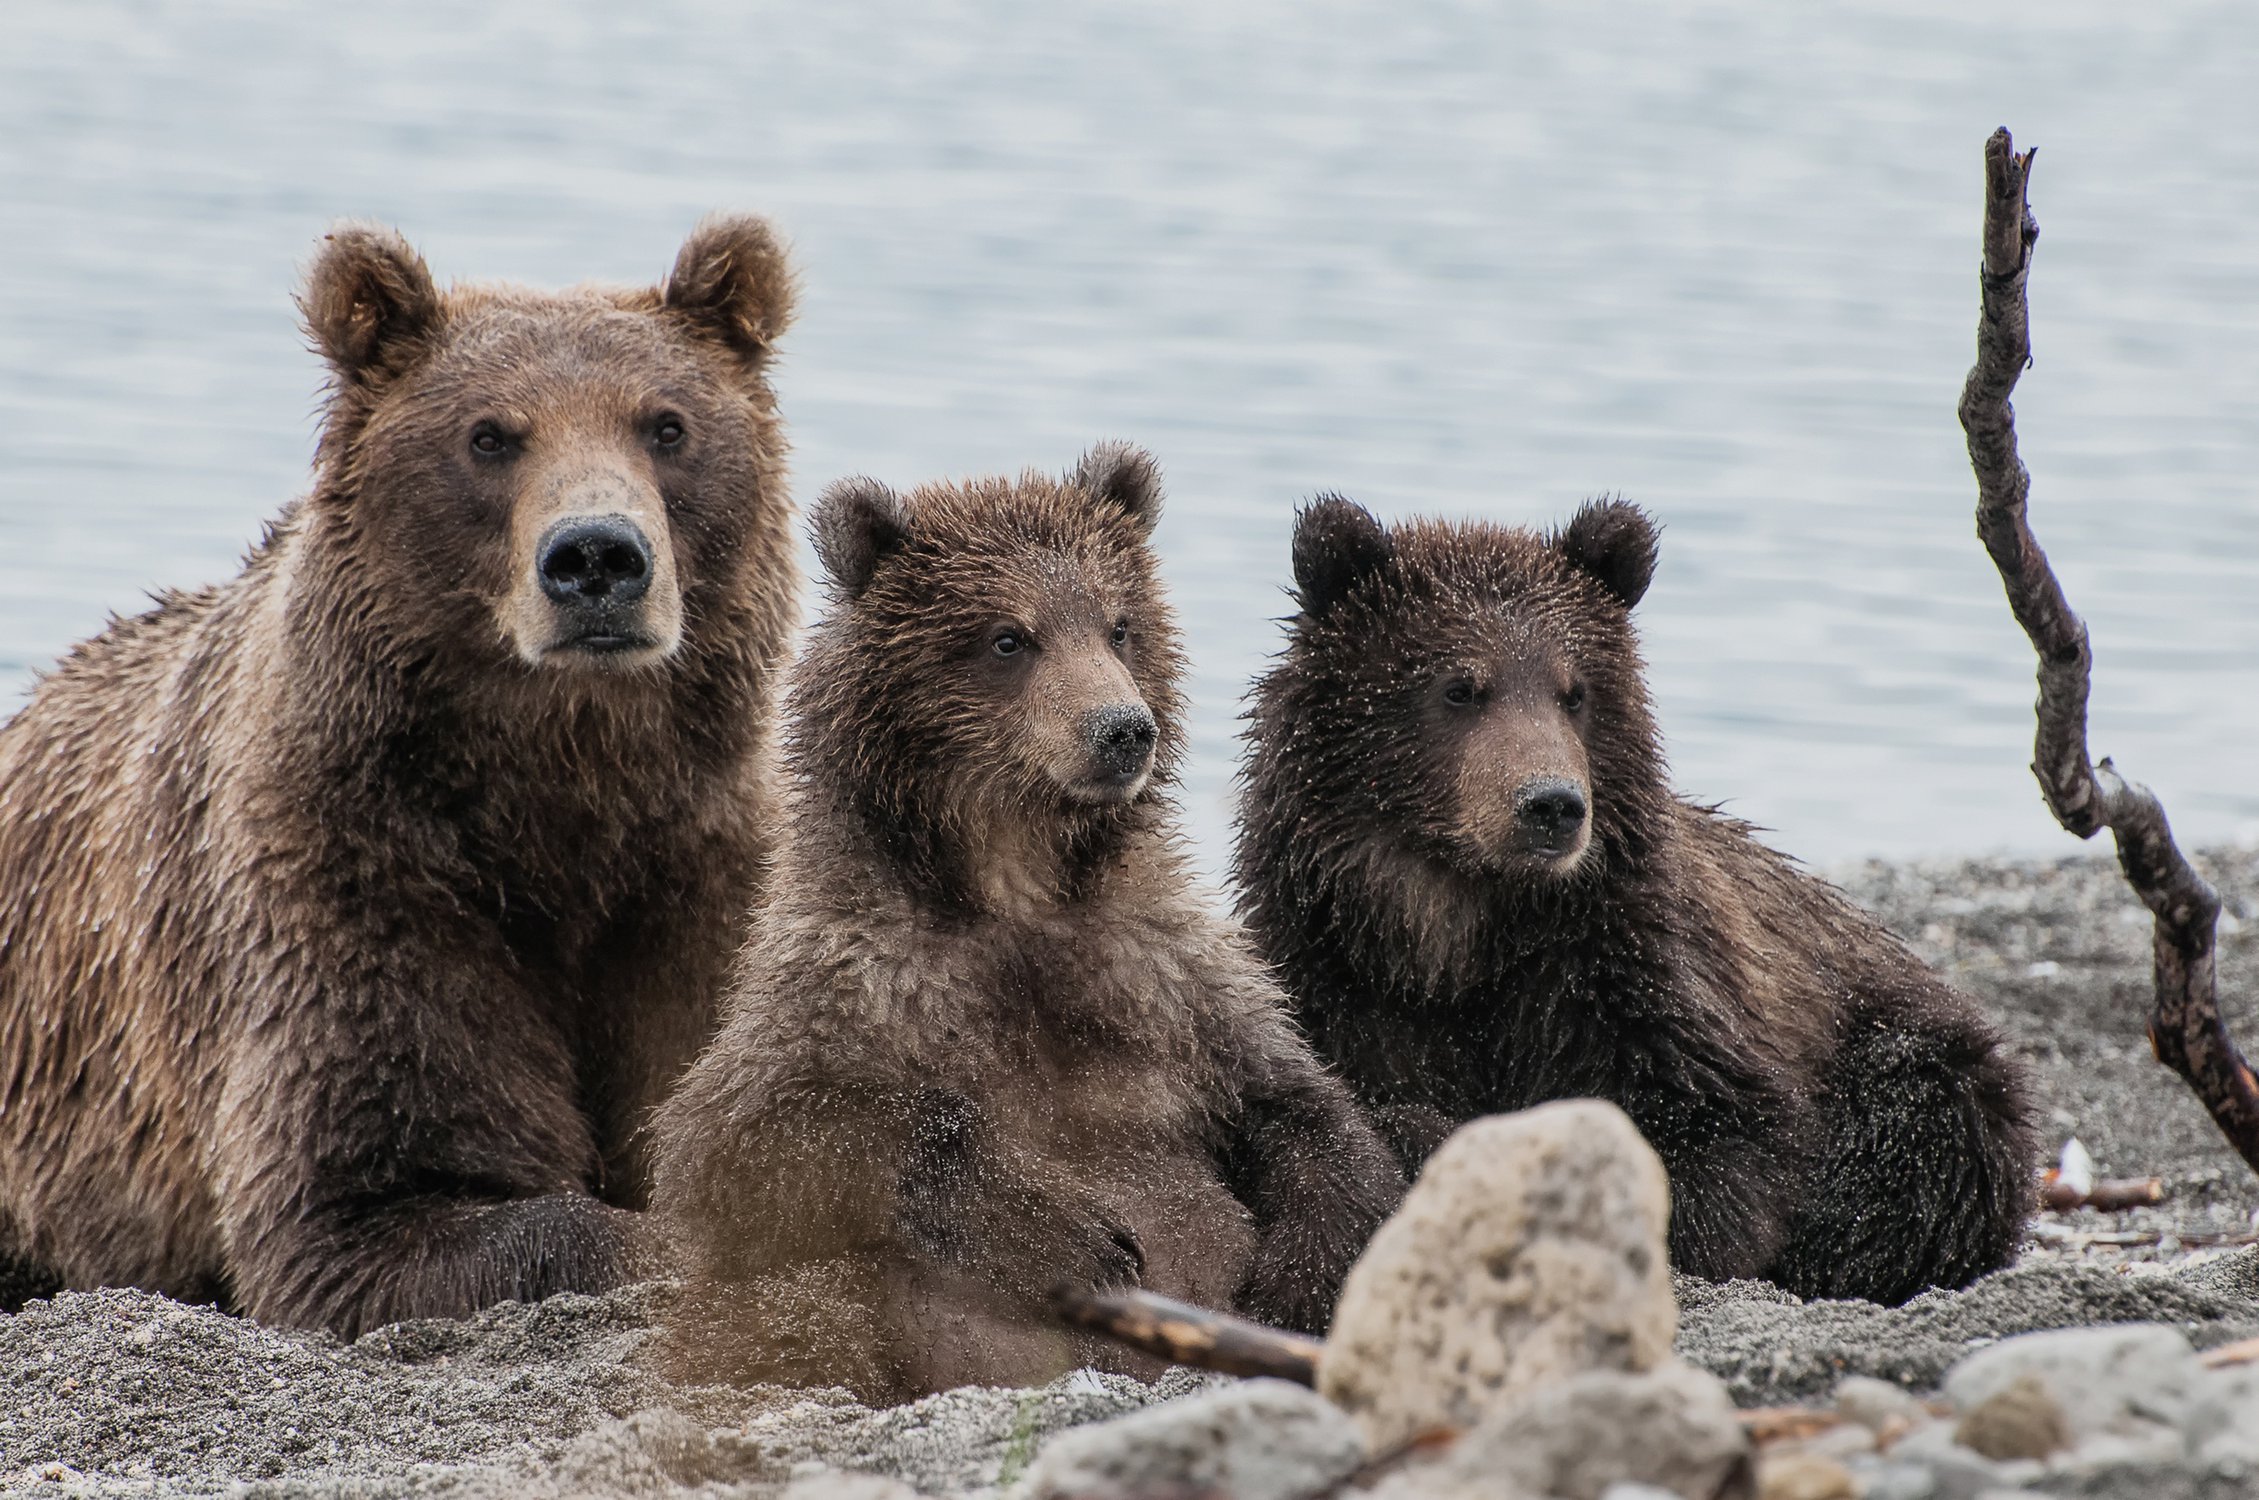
{"x": 122, "y": 1393}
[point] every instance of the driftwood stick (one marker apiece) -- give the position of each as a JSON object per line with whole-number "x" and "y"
{"x": 2110, "y": 1194}
{"x": 1186, "y": 1335}
{"x": 2185, "y": 1029}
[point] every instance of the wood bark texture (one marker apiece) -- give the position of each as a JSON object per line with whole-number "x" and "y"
{"x": 2185, "y": 1028}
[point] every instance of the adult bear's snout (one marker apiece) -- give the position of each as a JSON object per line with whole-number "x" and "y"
{"x": 589, "y": 560}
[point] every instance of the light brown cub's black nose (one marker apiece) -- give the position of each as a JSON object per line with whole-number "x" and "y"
{"x": 1121, "y": 738}
{"x": 1552, "y": 809}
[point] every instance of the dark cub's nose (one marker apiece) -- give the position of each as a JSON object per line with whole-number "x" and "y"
{"x": 594, "y": 558}
{"x": 1121, "y": 738}
{"x": 1552, "y": 809}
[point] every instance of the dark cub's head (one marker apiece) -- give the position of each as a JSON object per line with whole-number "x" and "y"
{"x": 997, "y": 664}
{"x": 1459, "y": 696}
{"x": 573, "y": 483}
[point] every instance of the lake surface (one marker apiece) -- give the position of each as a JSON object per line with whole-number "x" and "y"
{"x": 1486, "y": 258}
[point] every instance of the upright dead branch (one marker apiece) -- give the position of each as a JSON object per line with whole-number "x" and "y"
{"x": 2185, "y": 1029}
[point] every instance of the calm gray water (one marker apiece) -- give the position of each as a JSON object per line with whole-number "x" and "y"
{"x": 1484, "y": 258}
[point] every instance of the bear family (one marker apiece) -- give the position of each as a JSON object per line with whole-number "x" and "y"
{"x": 985, "y": 1037}
{"x": 1458, "y": 847}
{"x": 354, "y": 912}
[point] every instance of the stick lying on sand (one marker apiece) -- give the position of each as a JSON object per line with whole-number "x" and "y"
{"x": 2185, "y": 1028}
{"x": 1186, "y": 1335}
{"x": 2108, "y": 1194}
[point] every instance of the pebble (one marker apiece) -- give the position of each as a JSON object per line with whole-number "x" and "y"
{"x": 1804, "y": 1476}
{"x": 1530, "y": 1251}
{"x": 2020, "y": 1420}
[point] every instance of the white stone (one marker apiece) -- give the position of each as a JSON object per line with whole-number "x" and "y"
{"x": 1264, "y": 1440}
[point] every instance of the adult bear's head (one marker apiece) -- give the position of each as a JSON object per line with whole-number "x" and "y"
{"x": 568, "y": 484}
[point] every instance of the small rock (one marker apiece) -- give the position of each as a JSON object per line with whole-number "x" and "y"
{"x": 1530, "y": 1251}
{"x": 1672, "y": 1428}
{"x": 2020, "y": 1420}
{"x": 1955, "y": 1472}
{"x": 1877, "y": 1405}
{"x": 1263, "y": 1440}
{"x": 1803, "y": 1476}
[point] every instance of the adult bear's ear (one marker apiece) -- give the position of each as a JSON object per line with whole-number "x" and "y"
{"x": 857, "y": 523}
{"x": 1123, "y": 477}
{"x": 1614, "y": 541}
{"x": 1337, "y": 544}
{"x": 733, "y": 283}
{"x": 369, "y": 304}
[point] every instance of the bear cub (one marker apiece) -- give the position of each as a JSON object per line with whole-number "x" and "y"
{"x": 1459, "y": 850}
{"x": 984, "y": 1037}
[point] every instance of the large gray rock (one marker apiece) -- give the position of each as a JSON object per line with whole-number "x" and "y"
{"x": 1265, "y": 1440}
{"x": 1671, "y": 1428}
{"x": 1531, "y": 1251}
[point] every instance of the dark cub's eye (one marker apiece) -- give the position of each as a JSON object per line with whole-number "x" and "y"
{"x": 668, "y": 432}
{"x": 1573, "y": 699}
{"x": 1459, "y": 694}
{"x": 1121, "y": 632}
{"x": 487, "y": 441}
{"x": 1006, "y": 643}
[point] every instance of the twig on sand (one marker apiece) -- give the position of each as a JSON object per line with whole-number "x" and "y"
{"x": 1186, "y": 1335}
{"x": 2185, "y": 1028}
{"x": 2109, "y": 1194}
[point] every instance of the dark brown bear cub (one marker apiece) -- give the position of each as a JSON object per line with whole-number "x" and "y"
{"x": 354, "y": 912}
{"x": 1459, "y": 850}
{"x": 984, "y": 1038}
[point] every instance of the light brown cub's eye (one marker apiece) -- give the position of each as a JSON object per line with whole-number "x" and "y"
{"x": 669, "y": 432}
{"x": 1121, "y": 632}
{"x": 487, "y": 439}
{"x": 1573, "y": 699}
{"x": 1459, "y": 694}
{"x": 1006, "y": 643}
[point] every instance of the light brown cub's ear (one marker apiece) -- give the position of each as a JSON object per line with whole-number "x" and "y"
{"x": 733, "y": 283}
{"x": 1124, "y": 477}
{"x": 1614, "y": 541}
{"x": 369, "y": 303}
{"x": 1337, "y": 545}
{"x": 857, "y": 523}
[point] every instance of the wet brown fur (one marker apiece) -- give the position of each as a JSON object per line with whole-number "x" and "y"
{"x": 349, "y": 923}
{"x": 1832, "y": 1115}
{"x": 985, "y": 1038}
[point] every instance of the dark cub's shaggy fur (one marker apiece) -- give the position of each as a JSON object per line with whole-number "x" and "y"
{"x": 1460, "y": 851}
{"x": 984, "y": 1037}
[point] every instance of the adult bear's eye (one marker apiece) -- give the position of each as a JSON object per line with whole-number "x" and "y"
{"x": 1573, "y": 699}
{"x": 1459, "y": 694}
{"x": 488, "y": 442}
{"x": 1121, "y": 632}
{"x": 668, "y": 433}
{"x": 1007, "y": 643}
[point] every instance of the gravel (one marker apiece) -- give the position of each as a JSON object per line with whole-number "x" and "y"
{"x": 123, "y": 1393}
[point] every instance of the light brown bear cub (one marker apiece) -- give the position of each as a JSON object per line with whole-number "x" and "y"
{"x": 353, "y": 912}
{"x": 985, "y": 1038}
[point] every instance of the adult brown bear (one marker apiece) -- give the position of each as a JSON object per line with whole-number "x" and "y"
{"x": 985, "y": 1036}
{"x": 352, "y": 912}
{"x": 1459, "y": 849}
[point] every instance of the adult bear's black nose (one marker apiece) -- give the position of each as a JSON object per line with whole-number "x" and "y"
{"x": 1121, "y": 738}
{"x": 589, "y": 558}
{"x": 1552, "y": 809}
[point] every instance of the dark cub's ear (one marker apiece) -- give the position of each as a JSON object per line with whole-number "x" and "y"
{"x": 857, "y": 522}
{"x": 369, "y": 303}
{"x": 733, "y": 283}
{"x": 1124, "y": 477}
{"x": 1615, "y": 542}
{"x": 1337, "y": 543}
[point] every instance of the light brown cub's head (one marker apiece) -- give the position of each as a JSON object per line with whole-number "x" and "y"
{"x": 574, "y": 480}
{"x": 998, "y": 663}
